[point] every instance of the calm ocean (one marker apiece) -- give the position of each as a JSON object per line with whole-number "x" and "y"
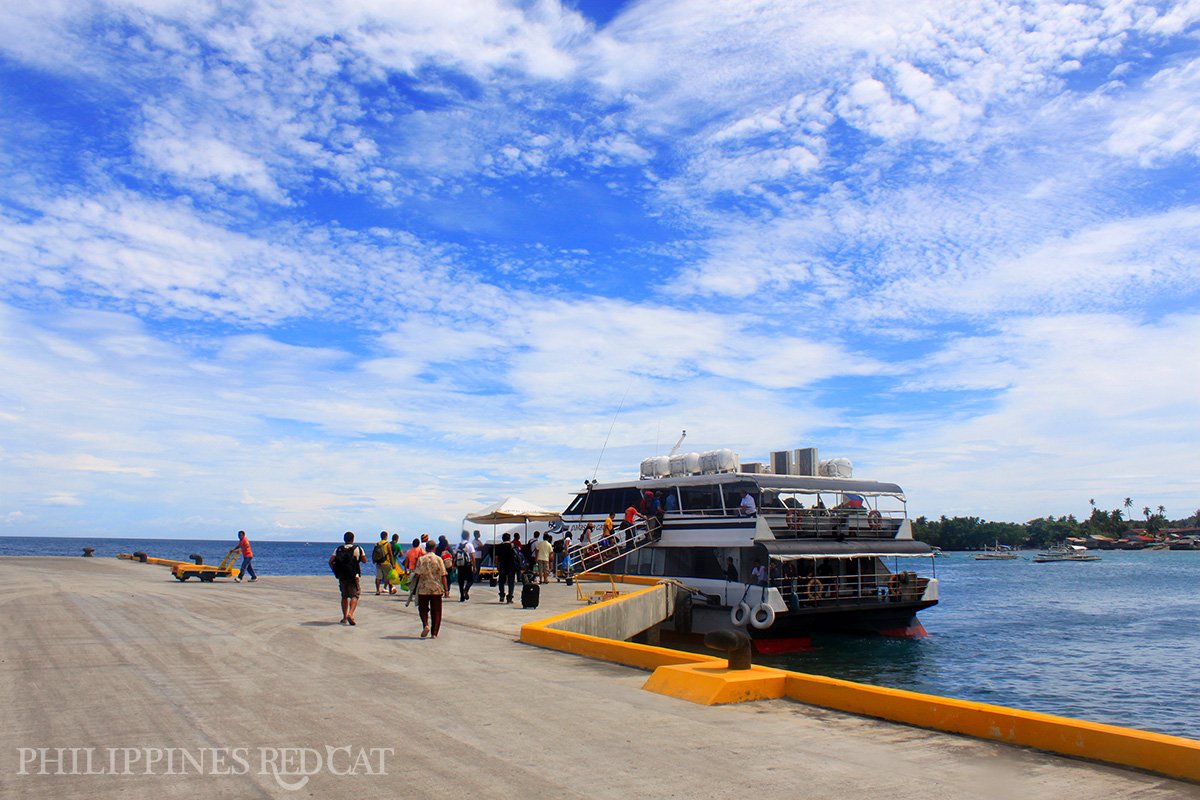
{"x": 1113, "y": 641}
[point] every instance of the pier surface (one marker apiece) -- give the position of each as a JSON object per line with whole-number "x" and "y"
{"x": 120, "y": 661}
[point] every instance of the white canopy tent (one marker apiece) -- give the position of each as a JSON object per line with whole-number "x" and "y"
{"x": 512, "y": 509}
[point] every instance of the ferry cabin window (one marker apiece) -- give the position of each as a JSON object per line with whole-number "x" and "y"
{"x": 605, "y": 501}
{"x": 733, "y": 496}
{"x": 699, "y": 499}
{"x": 693, "y": 562}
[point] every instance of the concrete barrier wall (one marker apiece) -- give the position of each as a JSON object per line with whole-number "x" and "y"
{"x": 622, "y": 617}
{"x": 1167, "y": 755}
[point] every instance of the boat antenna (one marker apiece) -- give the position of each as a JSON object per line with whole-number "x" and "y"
{"x": 675, "y": 449}
{"x": 610, "y": 430}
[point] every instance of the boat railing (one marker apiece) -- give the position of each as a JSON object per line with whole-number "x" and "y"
{"x": 851, "y": 523}
{"x": 806, "y": 591}
{"x": 590, "y": 556}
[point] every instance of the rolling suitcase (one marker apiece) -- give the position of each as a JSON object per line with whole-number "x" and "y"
{"x": 530, "y": 594}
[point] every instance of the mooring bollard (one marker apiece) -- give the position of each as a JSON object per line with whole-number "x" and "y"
{"x": 140, "y": 556}
{"x": 87, "y": 552}
{"x": 735, "y": 643}
{"x": 199, "y": 559}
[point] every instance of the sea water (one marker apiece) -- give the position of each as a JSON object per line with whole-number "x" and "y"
{"x": 1116, "y": 640}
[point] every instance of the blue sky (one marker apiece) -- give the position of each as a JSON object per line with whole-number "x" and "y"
{"x": 367, "y": 265}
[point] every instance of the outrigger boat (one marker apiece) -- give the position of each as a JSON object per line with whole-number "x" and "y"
{"x": 998, "y": 552}
{"x": 1064, "y": 552}
{"x": 813, "y": 555}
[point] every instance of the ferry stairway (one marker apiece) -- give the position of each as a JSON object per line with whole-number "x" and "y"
{"x": 591, "y": 556}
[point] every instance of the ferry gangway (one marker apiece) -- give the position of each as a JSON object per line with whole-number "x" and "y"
{"x": 591, "y": 556}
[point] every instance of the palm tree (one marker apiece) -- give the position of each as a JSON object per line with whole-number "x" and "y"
{"x": 1162, "y": 510}
{"x": 1128, "y": 504}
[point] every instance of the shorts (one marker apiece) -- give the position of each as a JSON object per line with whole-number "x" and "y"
{"x": 349, "y": 587}
{"x": 543, "y": 564}
{"x": 382, "y": 570}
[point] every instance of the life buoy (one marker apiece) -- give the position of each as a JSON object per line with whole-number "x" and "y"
{"x": 874, "y": 520}
{"x": 814, "y": 588}
{"x": 740, "y": 615}
{"x": 894, "y": 584}
{"x": 763, "y": 616}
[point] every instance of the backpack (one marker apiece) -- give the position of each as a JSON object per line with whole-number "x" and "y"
{"x": 462, "y": 558}
{"x": 345, "y": 561}
{"x": 380, "y": 554}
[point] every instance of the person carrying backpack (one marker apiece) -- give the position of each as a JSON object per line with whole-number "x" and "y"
{"x": 464, "y": 564}
{"x": 384, "y": 563}
{"x": 345, "y": 563}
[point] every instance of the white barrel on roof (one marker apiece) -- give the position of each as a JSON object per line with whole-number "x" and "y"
{"x": 723, "y": 460}
{"x": 685, "y": 464}
{"x": 656, "y": 467}
{"x": 837, "y": 468}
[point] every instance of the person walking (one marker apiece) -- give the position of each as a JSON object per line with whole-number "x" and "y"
{"x": 247, "y": 567}
{"x": 346, "y": 564}
{"x": 397, "y": 558}
{"x": 545, "y": 552}
{"x": 477, "y": 543}
{"x": 432, "y": 586}
{"x": 381, "y": 557}
{"x": 410, "y": 563}
{"x": 505, "y": 559}
{"x": 464, "y": 563}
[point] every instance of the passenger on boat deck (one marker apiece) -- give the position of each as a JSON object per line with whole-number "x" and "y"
{"x": 747, "y": 508}
{"x": 731, "y": 573}
{"x": 671, "y": 504}
{"x": 586, "y": 536}
{"x": 608, "y": 528}
{"x": 759, "y": 573}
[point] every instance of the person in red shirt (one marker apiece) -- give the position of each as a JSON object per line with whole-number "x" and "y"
{"x": 247, "y": 567}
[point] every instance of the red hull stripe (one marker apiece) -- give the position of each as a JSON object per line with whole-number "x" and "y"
{"x": 913, "y": 631}
{"x": 790, "y": 644}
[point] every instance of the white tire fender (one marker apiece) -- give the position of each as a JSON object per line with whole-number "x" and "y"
{"x": 763, "y": 616}
{"x": 740, "y": 615}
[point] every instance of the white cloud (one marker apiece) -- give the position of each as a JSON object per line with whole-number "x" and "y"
{"x": 1085, "y": 406}
{"x": 1161, "y": 121}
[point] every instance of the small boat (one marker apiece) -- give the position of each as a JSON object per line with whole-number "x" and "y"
{"x": 1064, "y": 552}
{"x": 997, "y": 552}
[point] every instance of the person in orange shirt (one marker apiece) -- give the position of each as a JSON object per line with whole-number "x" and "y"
{"x": 247, "y": 567}
{"x": 410, "y": 564}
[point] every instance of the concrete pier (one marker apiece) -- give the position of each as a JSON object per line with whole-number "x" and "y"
{"x": 117, "y": 662}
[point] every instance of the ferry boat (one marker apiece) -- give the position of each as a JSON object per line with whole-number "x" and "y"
{"x": 805, "y": 553}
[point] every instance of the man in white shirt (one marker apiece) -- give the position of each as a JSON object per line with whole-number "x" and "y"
{"x": 465, "y": 559}
{"x": 747, "y": 508}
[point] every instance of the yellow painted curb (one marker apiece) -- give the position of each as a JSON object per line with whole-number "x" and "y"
{"x": 710, "y": 684}
{"x": 703, "y": 679}
{"x": 1156, "y": 752}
